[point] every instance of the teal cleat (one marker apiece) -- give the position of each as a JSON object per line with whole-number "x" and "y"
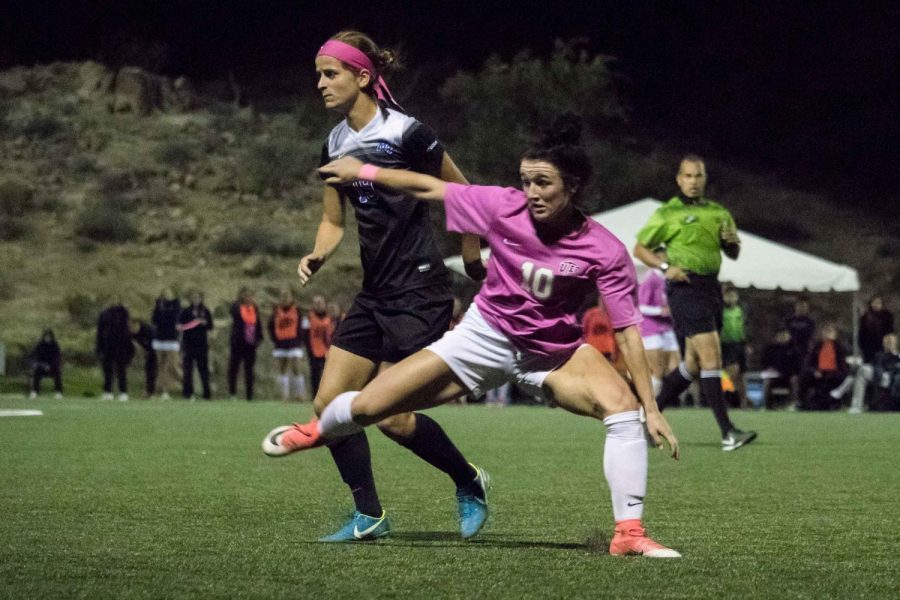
{"x": 360, "y": 528}
{"x": 473, "y": 507}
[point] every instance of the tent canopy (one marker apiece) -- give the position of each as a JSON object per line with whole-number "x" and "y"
{"x": 763, "y": 264}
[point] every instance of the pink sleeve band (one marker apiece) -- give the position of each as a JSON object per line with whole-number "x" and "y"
{"x": 367, "y": 172}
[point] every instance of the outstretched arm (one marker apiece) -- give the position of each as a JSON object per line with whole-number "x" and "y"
{"x": 471, "y": 244}
{"x": 349, "y": 169}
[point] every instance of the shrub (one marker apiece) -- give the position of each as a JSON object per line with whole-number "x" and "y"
{"x": 83, "y": 309}
{"x": 12, "y": 227}
{"x": 40, "y": 126}
{"x": 176, "y": 155}
{"x": 274, "y": 165}
{"x": 16, "y": 198}
{"x": 7, "y": 289}
{"x": 258, "y": 239}
{"x": 83, "y": 164}
{"x": 499, "y": 107}
{"x": 105, "y": 221}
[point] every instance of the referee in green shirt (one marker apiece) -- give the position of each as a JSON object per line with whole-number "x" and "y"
{"x": 695, "y": 232}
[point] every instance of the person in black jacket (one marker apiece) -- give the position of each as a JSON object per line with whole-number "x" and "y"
{"x": 165, "y": 342}
{"x": 246, "y": 336}
{"x": 47, "y": 362}
{"x": 114, "y": 347}
{"x": 194, "y": 323}
{"x": 142, "y": 333}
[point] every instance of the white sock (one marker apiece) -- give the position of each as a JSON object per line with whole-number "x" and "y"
{"x": 337, "y": 420}
{"x": 625, "y": 464}
{"x": 284, "y": 382}
{"x": 656, "y": 384}
{"x": 300, "y": 386}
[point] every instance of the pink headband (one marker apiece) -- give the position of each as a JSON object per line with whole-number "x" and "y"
{"x": 357, "y": 59}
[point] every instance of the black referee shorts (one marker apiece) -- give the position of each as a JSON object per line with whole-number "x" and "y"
{"x": 696, "y": 305}
{"x": 390, "y": 328}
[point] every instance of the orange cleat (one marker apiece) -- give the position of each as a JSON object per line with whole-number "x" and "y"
{"x": 286, "y": 439}
{"x": 631, "y": 538}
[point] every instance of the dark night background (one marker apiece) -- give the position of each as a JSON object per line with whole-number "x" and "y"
{"x": 806, "y": 92}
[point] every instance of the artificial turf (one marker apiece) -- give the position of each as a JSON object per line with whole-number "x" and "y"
{"x": 175, "y": 499}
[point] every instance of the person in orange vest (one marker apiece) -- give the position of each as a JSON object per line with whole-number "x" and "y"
{"x": 599, "y": 333}
{"x": 246, "y": 336}
{"x": 321, "y": 330}
{"x": 288, "y": 338}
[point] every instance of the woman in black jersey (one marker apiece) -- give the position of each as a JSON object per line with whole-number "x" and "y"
{"x": 406, "y": 301}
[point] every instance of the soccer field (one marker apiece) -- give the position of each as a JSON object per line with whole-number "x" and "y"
{"x": 175, "y": 499}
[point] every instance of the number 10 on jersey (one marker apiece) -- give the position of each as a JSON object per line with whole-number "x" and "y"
{"x": 539, "y": 281}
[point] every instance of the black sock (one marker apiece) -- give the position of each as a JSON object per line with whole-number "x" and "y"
{"x": 430, "y": 443}
{"x": 673, "y": 385}
{"x": 354, "y": 462}
{"x": 711, "y": 391}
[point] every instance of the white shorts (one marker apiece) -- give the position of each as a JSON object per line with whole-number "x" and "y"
{"x": 165, "y": 346}
{"x": 288, "y": 353}
{"x": 483, "y": 358}
{"x": 665, "y": 341}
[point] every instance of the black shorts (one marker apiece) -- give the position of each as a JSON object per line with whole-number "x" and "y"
{"x": 390, "y": 328}
{"x": 696, "y": 306}
{"x": 734, "y": 353}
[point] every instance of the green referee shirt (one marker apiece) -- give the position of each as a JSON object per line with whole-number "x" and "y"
{"x": 690, "y": 232}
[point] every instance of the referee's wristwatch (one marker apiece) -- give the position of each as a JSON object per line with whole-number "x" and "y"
{"x": 663, "y": 266}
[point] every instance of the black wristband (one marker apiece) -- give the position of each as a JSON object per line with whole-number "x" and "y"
{"x": 475, "y": 270}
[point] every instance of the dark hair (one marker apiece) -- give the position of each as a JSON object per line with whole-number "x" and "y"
{"x": 560, "y": 145}
{"x": 691, "y": 157}
{"x": 385, "y": 60}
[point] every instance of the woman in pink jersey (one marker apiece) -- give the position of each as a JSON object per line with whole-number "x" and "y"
{"x": 656, "y": 329}
{"x": 522, "y": 325}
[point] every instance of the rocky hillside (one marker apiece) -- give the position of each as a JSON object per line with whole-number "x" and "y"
{"x": 127, "y": 182}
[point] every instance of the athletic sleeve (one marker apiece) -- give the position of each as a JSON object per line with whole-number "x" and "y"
{"x": 654, "y": 232}
{"x": 423, "y": 151}
{"x": 471, "y": 208}
{"x": 324, "y": 159}
{"x": 617, "y": 285}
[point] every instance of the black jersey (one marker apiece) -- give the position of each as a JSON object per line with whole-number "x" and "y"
{"x": 396, "y": 241}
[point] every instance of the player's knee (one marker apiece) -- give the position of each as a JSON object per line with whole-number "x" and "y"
{"x": 398, "y": 427}
{"x": 320, "y": 402}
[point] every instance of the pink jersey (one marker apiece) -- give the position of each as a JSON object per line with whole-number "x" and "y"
{"x": 533, "y": 289}
{"x": 652, "y": 297}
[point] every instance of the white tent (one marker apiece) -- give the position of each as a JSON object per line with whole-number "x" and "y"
{"x": 763, "y": 264}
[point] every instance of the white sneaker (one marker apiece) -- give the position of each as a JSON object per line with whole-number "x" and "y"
{"x": 123, "y": 397}
{"x": 32, "y": 396}
{"x": 107, "y": 396}
{"x": 58, "y": 395}
{"x": 165, "y": 396}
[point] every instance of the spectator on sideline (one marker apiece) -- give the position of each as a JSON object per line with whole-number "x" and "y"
{"x": 660, "y": 342}
{"x": 695, "y": 232}
{"x": 321, "y": 330}
{"x": 734, "y": 342}
{"x": 47, "y": 363}
{"x": 598, "y": 331}
{"x": 887, "y": 375}
{"x": 826, "y": 367}
{"x": 114, "y": 347}
{"x": 165, "y": 342}
{"x": 142, "y": 333}
{"x": 781, "y": 363}
{"x": 801, "y": 326}
{"x": 287, "y": 334}
{"x": 246, "y": 336}
{"x": 335, "y": 309}
{"x": 194, "y": 323}
{"x": 875, "y": 323}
